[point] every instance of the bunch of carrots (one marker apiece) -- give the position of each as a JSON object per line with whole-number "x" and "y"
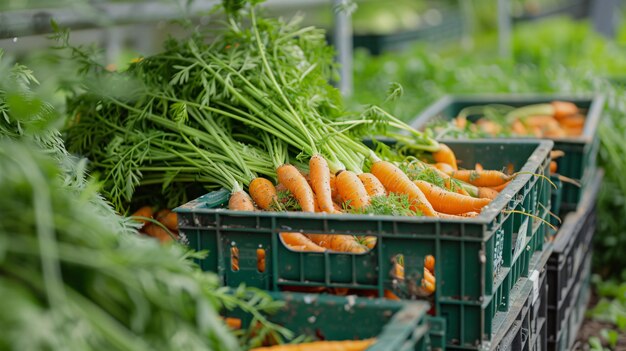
{"x": 558, "y": 119}
{"x": 162, "y": 225}
{"x": 464, "y": 194}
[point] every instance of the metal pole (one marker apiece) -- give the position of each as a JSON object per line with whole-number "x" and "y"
{"x": 504, "y": 28}
{"x": 342, "y": 38}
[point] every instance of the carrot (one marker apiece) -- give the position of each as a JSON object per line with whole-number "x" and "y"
{"x": 541, "y": 121}
{"x": 429, "y": 276}
{"x": 444, "y": 167}
{"x": 563, "y": 109}
{"x": 554, "y": 133}
{"x": 352, "y": 190}
{"x": 449, "y": 202}
{"x": 347, "y": 345}
{"x": 260, "y": 260}
{"x": 337, "y": 208}
{"x": 482, "y": 178}
{"x": 487, "y": 193}
{"x": 373, "y": 186}
{"x": 489, "y": 127}
{"x": 390, "y": 295}
{"x": 447, "y": 180}
{"x": 573, "y": 121}
{"x": 445, "y": 155}
{"x": 233, "y": 323}
{"x": 499, "y": 187}
{"x": 429, "y": 263}
{"x": 145, "y": 211}
{"x": 240, "y": 201}
{"x": 368, "y": 241}
{"x": 553, "y": 167}
{"x": 295, "y": 182}
{"x": 554, "y": 154}
{"x": 155, "y": 231}
{"x": 333, "y": 189}
{"x": 168, "y": 219}
{"x": 263, "y": 192}
{"x": 518, "y": 128}
{"x": 573, "y": 131}
{"x": 478, "y": 167}
{"x": 461, "y": 121}
{"x": 300, "y": 241}
{"x": 428, "y": 287}
{"x": 320, "y": 182}
{"x": 234, "y": 258}
{"x": 336, "y": 242}
{"x": 395, "y": 181}
{"x": 510, "y": 169}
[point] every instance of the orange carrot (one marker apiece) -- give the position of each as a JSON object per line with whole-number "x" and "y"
{"x": 429, "y": 263}
{"x": 320, "y": 182}
{"x": 337, "y": 208}
{"x": 168, "y": 219}
{"x": 487, "y": 193}
{"x": 352, "y": 190}
{"x": 553, "y": 167}
{"x": 336, "y": 242}
{"x": 428, "y": 286}
{"x": 347, "y": 345}
{"x": 301, "y": 241}
{"x": 445, "y": 155}
{"x": 573, "y": 121}
{"x": 155, "y": 231}
{"x": 429, "y": 276}
{"x": 368, "y": 241}
{"x": 449, "y": 202}
{"x": 563, "y": 109}
{"x": 260, "y": 260}
{"x": 234, "y": 258}
{"x": 373, "y": 186}
{"x": 478, "y": 167}
{"x": 263, "y": 192}
{"x": 395, "y": 181}
{"x": 481, "y": 178}
{"x": 333, "y": 188}
{"x": 518, "y": 128}
{"x": 499, "y": 187}
{"x": 444, "y": 167}
{"x": 390, "y": 295}
{"x": 447, "y": 180}
{"x": 233, "y": 323}
{"x": 145, "y": 211}
{"x": 240, "y": 201}
{"x": 295, "y": 182}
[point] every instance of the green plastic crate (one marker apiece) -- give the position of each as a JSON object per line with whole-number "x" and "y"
{"x": 396, "y": 325}
{"x": 437, "y": 333}
{"x": 450, "y": 27}
{"x": 479, "y": 259}
{"x": 572, "y": 246}
{"x": 581, "y": 152}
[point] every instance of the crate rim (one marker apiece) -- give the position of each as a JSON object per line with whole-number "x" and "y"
{"x": 485, "y": 218}
{"x": 573, "y": 220}
{"x": 595, "y": 108}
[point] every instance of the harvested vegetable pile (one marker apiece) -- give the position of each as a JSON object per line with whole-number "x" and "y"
{"x": 558, "y": 119}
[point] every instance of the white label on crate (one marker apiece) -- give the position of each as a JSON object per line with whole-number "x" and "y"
{"x": 534, "y": 277}
{"x": 521, "y": 238}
